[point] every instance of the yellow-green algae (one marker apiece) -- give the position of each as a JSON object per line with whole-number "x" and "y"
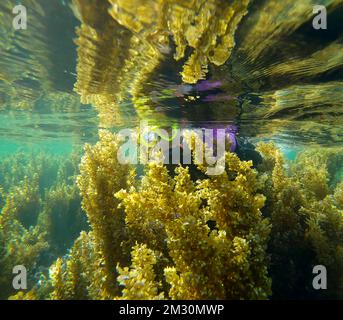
{"x": 40, "y": 213}
{"x": 149, "y": 237}
{"x": 306, "y": 213}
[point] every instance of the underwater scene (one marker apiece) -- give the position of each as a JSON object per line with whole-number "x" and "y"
{"x": 171, "y": 149}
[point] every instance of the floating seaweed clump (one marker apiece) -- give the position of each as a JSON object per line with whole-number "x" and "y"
{"x": 121, "y": 44}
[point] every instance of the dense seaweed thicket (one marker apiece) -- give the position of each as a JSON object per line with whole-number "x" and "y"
{"x": 249, "y": 233}
{"x": 40, "y": 213}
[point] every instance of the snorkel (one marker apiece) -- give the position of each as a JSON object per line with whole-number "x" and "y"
{"x": 157, "y": 133}
{"x": 229, "y": 132}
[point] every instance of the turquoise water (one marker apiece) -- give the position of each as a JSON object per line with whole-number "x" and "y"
{"x": 57, "y": 132}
